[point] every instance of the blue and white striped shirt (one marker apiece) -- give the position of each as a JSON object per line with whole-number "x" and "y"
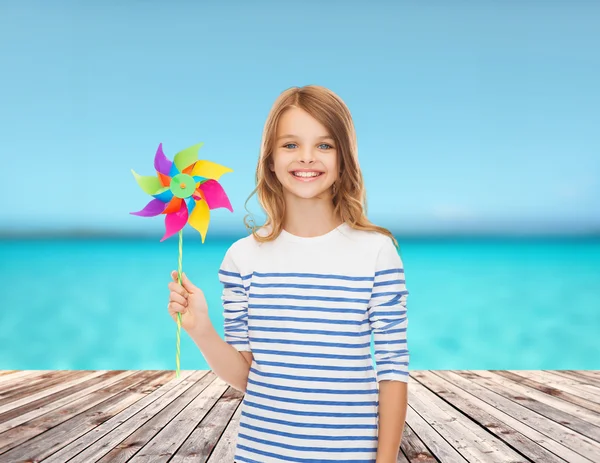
{"x": 308, "y": 309}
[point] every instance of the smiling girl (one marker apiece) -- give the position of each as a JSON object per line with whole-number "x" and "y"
{"x": 303, "y": 297}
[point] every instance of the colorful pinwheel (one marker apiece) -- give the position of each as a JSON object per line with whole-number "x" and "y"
{"x": 185, "y": 190}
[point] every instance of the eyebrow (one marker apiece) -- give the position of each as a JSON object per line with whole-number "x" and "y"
{"x": 291, "y": 135}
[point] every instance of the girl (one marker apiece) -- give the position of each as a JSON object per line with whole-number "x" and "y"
{"x": 302, "y": 296}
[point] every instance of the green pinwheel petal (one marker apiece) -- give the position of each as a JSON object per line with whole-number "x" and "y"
{"x": 187, "y": 157}
{"x": 149, "y": 184}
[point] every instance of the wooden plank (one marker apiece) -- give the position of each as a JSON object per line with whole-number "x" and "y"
{"x": 572, "y": 386}
{"x": 580, "y": 383}
{"x": 18, "y": 375}
{"x": 412, "y": 448}
{"x": 525, "y": 440}
{"x": 171, "y": 436}
{"x": 143, "y": 434}
{"x": 24, "y": 404}
{"x": 48, "y": 404}
{"x": 103, "y": 438}
{"x": 555, "y": 409}
{"x": 44, "y": 435}
{"x": 436, "y": 443}
{"x": 27, "y": 387}
{"x": 224, "y": 451}
{"x": 204, "y": 438}
{"x": 591, "y": 374}
{"x": 544, "y": 390}
{"x": 556, "y": 431}
{"x": 526, "y": 422}
{"x": 579, "y": 376}
{"x": 472, "y": 442}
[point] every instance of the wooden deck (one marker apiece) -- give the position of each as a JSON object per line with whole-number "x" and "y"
{"x": 151, "y": 416}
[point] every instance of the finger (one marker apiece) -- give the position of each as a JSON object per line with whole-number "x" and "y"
{"x": 187, "y": 284}
{"x": 177, "y": 288}
{"x": 174, "y": 308}
{"x": 175, "y": 297}
{"x": 175, "y": 276}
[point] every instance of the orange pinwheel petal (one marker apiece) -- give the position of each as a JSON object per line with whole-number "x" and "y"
{"x": 173, "y": 206}
{"x": 165, "y": 180}
{"x": 188, "y": 170}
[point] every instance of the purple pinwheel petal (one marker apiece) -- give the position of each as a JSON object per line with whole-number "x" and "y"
{"x": 152, "y": 209}
{"x": 161, "y": 163}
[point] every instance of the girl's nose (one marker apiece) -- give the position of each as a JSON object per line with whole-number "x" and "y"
{"x": 307, "y": 155}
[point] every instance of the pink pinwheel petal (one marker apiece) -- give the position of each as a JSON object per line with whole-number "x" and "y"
{"x": 215, "y": 195}
{"x": 175, "y": 221}
{"x": 161, "y": 163}
{"x": 152, "y": 209}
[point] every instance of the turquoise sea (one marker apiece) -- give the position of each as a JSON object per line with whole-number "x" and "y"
{"x": 474, "y": 303}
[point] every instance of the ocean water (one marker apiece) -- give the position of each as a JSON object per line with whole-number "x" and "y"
{"x": 473, "y": 303}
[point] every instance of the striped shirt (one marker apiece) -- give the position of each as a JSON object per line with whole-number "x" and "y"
{"x": 308, "y": 310}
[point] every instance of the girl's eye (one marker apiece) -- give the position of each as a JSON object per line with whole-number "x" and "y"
{"x": 322, "y": 144}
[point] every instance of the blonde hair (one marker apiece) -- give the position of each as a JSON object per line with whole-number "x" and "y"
{"x": 349, "y": 198}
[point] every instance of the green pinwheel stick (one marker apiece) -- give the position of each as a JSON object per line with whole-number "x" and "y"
{"x": 185, "y": 190}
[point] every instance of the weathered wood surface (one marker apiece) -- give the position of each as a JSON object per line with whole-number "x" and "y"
{"x": 152, "y": 416}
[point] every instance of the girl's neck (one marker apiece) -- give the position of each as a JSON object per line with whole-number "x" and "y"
{"x": 309, "y": 217}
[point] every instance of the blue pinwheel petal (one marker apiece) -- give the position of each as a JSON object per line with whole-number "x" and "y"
{"x": 191, "y": 203}
{"x": 197, "y": 178}
{"x": 165, "y": 196}
{"x": 174, "y": 171}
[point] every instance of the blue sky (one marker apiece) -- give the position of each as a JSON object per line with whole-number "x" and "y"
{"x": 469, "y": 115}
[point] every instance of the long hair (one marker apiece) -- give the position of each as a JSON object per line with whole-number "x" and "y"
{"x": 350, "y": 196}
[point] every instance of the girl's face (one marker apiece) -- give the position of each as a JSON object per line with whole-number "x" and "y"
{"x": 305, "y": 158}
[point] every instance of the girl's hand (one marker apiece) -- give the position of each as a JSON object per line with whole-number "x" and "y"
{"x": 189, "y": 300}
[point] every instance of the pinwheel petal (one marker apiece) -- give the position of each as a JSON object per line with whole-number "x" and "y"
{"x": 165, "y": 180}
{"x": 149, "y": 184}
{"x": 191, "y": 204}
{"x": 175, "y": 221}
{"x": 174, "y": 171}
{"x": 187, "y": 157}
{"x": 209, "y": 169}
{"x": 188, "y": 170}
{"x": 161, "y": 163}
{"x": 200, "y": 218}
{"x": 152, "y": 209}
{"x": 164, "y": 194}
{"x": 173, "y": 206}
{"x": 215, "y": 196}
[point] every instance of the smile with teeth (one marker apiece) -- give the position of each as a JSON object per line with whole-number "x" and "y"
{"x": 306, "y": 174}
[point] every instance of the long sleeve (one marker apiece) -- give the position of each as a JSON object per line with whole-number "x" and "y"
{"x": 388, "y": 315}
{"x": 235, "y": 305}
